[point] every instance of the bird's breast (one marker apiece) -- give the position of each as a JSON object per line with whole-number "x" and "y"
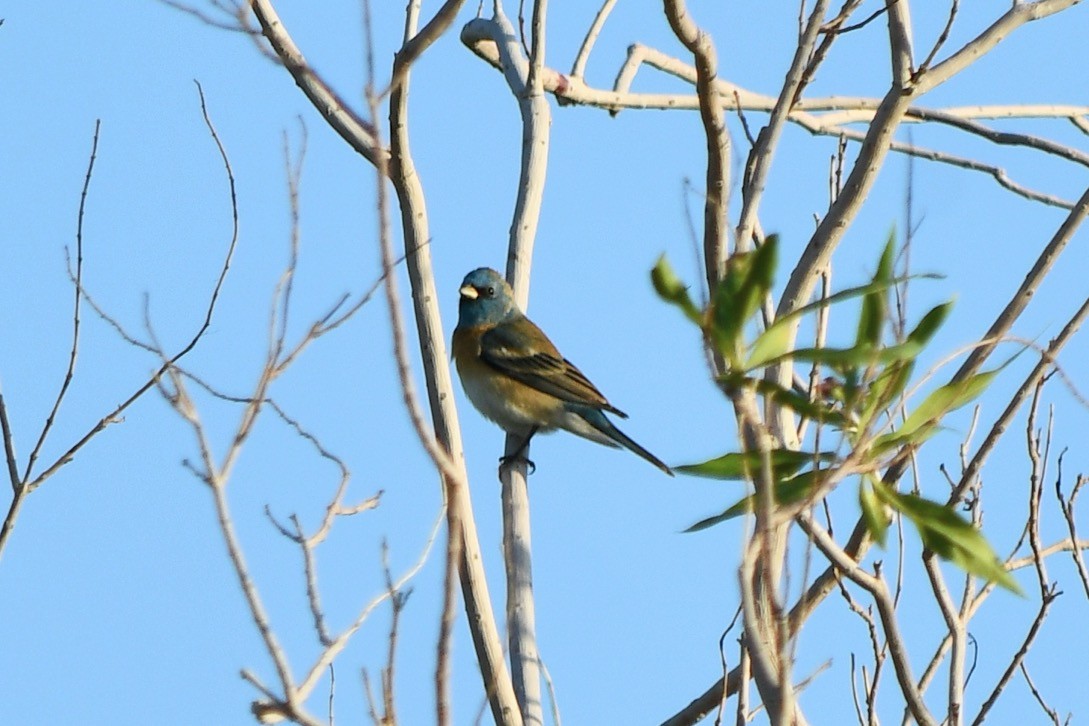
{"x": 515, "y": 406}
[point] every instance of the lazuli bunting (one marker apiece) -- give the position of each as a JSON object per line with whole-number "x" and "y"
{"x": 516, "y": 377}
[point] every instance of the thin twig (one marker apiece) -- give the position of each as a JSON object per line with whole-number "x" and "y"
{"x": 1066, "y": 505}
{"x": 942, "y": 37}
{"x": 578, "y": 68}
{"x": 73, "y": 352}
{"x": 875, "y": 585}
{"x": 167, "y": 364}
{"x": 1051, "y": 712}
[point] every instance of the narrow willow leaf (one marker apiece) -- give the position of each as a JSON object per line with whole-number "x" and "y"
{"x": 848, "y": 294}
{"x": 949, "y": 536}
{"x": 786, "y": 492}
{"x": 922, "y": 422}
{"x": 934, "y": 318}
{"x": 727, "y": 325}
{"x": 875, "y": 304}
{"x": 670, "y": 288}
{"x": 740, "y": 466}
{"x": 889, "y": 384}
{"x": 858, "y": 357}
{"x": 717, "y": 519}
{"x": 747, "y": 281}
{"x": 838, "y": 357}
{"x": 758, "y": 282}
{"x": 772, "y": 344}
{"x": 873, "y": 513}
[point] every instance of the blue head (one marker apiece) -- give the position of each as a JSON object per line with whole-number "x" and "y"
{"x": 485, "y": 298}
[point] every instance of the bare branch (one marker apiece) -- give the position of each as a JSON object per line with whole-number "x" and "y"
{"x": 397, "y": 599}
{"x": 942, "y": 37}
{"x": 759, "y": 164}
{"x": 1066, "y": 505}
{"x": 115, "y": 415}
{"x": 1051, "y": 712}
{"x": 359, "y": 134}
{"x": 9, "y": 447}
{"x": 233, "y": 13}
{"x": 1047, "y": 361}
{"x": 1019, "y": 14}
{"x": 875, "y": 585}
{"x": 419, "y": 42}
{"x": 69, "y": 373}
{"x": 525, "y": 79}
{"x": 446, "y": 626}
{"x": 481, "y": 619}
{"x": 702, "y": 48}
{"x": 578, "y": 68}
{"x": 957, "y": 636}
{"x": 1018, "y": 658}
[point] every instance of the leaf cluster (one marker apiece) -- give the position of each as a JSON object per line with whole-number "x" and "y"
{"x": 861, "y": 399}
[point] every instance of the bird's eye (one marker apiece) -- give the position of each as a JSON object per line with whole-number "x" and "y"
{"x": 491, "y": 292}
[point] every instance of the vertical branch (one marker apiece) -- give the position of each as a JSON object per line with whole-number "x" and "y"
{"x": 1066, "y": 505}
{"x": 445, "y": 448}
{"x": 526, "y": 85}
{"x": 699, "y": 44}
{"x": 19, "y": 486}
{"x": 446, "y": 624}
{"x": 871, "y": 156}
{"x": 958, "y": 636}
{"x": 410, "y": 196}
{"x": 762, "y": 153}
{"x": 19, "y": 490}
{"x": 72, "y": 354}
{"x": 521, "y": 614}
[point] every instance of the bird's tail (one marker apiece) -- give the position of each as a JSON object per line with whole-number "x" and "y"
{"x": 601, "y": 423}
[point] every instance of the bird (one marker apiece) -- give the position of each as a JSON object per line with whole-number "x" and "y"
{"x": 515, "y": 376}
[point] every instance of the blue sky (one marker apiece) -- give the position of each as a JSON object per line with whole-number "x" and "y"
{"x": 119, "y": 602}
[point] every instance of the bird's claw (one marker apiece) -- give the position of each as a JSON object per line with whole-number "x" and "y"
{"x": 514, "y": 459}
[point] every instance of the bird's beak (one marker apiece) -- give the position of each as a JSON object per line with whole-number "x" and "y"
{"x": 470, "y": 292}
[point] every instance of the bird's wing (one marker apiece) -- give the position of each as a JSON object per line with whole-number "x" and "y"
{"x": 523, "y": 352}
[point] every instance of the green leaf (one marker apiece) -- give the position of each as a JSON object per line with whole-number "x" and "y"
{"x": 771, "y": 344}
{"x": 889, "y": 384}
{"x": 873, "y": 513}
{"x": 670, "y": 288}
{"x": 746, "y": 465}
{"x": 875, "y": 304}
{"x": 949, "y": 536}
{"x": 761, "y": 275}
{"x": 929, "y": 324}
{"x": 848, "y": 294}
{"x": 922, "y": 422}
{"x": 864, "y": 354}
{"x": 716, "y": 519}
{"x": 773, "y": 338}
{"x": 727, "y": 324}
{"x": 737, "y": 298}
{"x": 786, "y": 492}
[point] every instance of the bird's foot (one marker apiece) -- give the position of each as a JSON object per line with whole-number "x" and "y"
{"x": 514, "y": 459}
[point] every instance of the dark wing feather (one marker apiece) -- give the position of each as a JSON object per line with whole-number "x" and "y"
{"x": 527, "y": 355}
